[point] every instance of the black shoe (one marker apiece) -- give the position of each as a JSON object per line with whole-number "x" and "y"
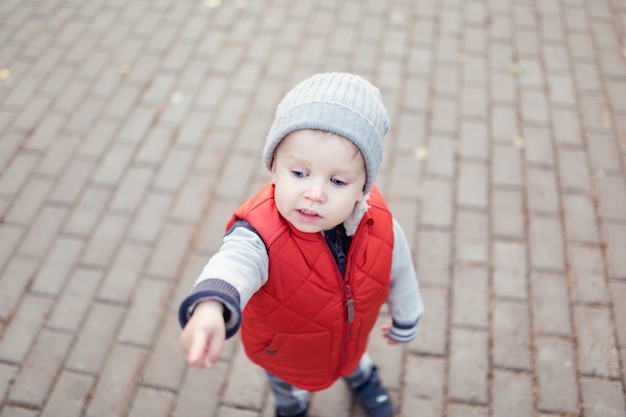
{"x": 374, "y": 398}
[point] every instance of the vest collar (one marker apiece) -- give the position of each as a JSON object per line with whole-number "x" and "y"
{"x": 353, "y": 221}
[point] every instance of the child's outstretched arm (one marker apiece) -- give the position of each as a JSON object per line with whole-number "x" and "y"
{"x": 211, "y": 313}
{"x": 202, "y": 339}
{"x": 404, "y": 301}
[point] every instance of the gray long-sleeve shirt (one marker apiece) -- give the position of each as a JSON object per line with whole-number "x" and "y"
{"x": 240, "y": 268}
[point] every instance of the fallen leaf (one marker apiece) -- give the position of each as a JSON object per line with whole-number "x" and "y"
{"x": 397, "y": 17}
{"x": 515, "y": 69}
{"x": 5, "y": 74}
{"x": 123, "y": 69}
{"x": 176, "y": 97}
{"x": 213, "y": 4}
{"x": 519, "y": 143}
{"x": 420, "y": 153}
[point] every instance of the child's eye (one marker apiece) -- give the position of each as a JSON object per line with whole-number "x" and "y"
{"x": 298, "y": 174}
{"x": 337, "y": 182}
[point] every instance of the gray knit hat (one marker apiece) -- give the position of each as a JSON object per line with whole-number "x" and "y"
{"x": 340, "y": 103}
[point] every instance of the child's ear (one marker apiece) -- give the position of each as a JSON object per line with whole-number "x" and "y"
{"x": 273, "y": 171}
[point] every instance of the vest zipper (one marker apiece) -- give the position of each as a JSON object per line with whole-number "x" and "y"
{"x": 345, "y": 282}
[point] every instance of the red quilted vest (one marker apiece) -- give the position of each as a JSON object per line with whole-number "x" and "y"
{"x": 307, "y": 325}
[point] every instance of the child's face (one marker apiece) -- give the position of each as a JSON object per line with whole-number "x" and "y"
{"x": 319, "y": 178}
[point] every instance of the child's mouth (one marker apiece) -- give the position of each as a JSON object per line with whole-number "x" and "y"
{"x": 308, "y": 214}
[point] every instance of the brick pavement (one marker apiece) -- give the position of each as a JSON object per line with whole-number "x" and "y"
{"x": 130, "y": 130}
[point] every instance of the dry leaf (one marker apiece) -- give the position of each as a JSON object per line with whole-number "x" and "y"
{"x": 123, "y": 69}
{"x": 213, "y": 4}
{"x": 515, "y": 69}
{"x": 5, "y": 74}
{"x": 519, "y": 143}
{"x": 420, "y": 153}
{"x": 397, "y": 17}
{"x": 176, "y": 97}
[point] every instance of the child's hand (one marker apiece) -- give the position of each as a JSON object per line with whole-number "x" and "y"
{"x": 202, "y": 339}
{"x": 386, "y": 328}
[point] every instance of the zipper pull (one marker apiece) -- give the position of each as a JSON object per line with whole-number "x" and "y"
{"x": 350, "y": 309}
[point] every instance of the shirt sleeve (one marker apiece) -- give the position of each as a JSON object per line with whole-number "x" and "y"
{"x": 405, "y": 301}
{"x": 231, "y": 276}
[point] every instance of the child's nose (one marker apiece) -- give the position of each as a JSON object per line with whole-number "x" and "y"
{"x": 316, "y": 191}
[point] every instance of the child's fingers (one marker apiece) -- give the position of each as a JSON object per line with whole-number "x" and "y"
{"x": 386, "y": 329}
{"x": 214, "y": 350}
{"x": 197, "y": 348}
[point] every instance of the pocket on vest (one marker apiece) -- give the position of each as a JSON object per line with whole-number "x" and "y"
{"x": 298, "y": 352}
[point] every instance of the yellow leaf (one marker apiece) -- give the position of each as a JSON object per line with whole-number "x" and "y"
{"x": 123, "y": 69}
{"x": 519, "y": 143}
{"x": 420, "y": 153}
{"x": 5, "y": 74}
{"x": 515, "y": 69}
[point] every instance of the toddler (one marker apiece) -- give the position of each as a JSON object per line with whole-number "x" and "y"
{"x": 307, "y": 263}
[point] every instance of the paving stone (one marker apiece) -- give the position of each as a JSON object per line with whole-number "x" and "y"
{"x": 512, "y": 394}
{"x": 94, "y": 339}
{"x": 471, "y": 237}
{"x": 602, "y": 398}
{"x": 432, "y": 329}
{"x": 144, "y": 315}
{"x": 336, "y": 400}
{"x": 470, "y": 296}
{"x": 7, "y": 376}
{"x": 131, "y": 191}
{"x": 546, "y": 243}
{"x": 123, "y": 274}
{"x": 69, "y": 395}
{"x": 550, "y": 301}
{"x": 618, "y": 296}
{"x": 542, "y": 191}
{"x": 14, "y": 282}
{"x": 507, "y": 214}
{"x": 461, "y": 410}
{"x": 168, "y": 255}
{"x": 597, "y": 349}
{"x": 166, "y": 365}
{"x": 611, "y": 197}
{"x": 34, "y": 382}
{"x": 104, "y": 241}
{"x": 433, "y": 264}
{"x": 199, "y": 394}
{"x": 424, "y": 394}
{"x": 23, "y": 328}
{"x": 539, "y": 148}
{"x": 467, "y": 373}
{"x": 580, "y": 219}
{"x": 72, "y": 304}
{"x": 586, "y": 273}
{"x": 113, "y": 392}
{"x": 556, "y": 375}
{"x": 506, "y": 167}
{"x": 437, "y": 203}
{"x": 151, "y": 402}
{"x": 615, "y": 236}
{"x": 509, "y": 270}
{"x": 245, "y": 387}
{"x": 511, "y": 335}
{"x": 472, "y": 185}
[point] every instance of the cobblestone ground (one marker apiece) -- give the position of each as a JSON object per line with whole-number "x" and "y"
{"x": 130, "y": 129}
